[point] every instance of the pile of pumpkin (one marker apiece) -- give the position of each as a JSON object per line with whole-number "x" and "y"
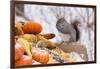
{"x": 31, "y": 46}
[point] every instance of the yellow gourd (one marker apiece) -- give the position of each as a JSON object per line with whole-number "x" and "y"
{"x": 25, "y": 45}
{"x": 18, "y": 29}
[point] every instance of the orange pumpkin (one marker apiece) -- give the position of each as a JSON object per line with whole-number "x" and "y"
{"x": 32, "y": 27}
{"x": 24, "y": 60}
{"x": 40, "y": 56}
{"x": 19, "y": 51}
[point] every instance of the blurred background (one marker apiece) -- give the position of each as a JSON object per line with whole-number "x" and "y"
{"x": 47, "y": 16}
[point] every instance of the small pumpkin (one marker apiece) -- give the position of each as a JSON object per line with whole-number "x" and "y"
{"x": 24, "y": 60}
{"x": 19, "y": 51}
{"x": 40, "y": 56}
{"x": 32, "y": 27}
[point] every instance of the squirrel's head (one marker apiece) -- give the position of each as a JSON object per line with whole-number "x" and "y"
{"x": 61, "y": 22}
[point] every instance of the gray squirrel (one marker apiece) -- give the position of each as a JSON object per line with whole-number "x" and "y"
{"x": 65, "y": 28}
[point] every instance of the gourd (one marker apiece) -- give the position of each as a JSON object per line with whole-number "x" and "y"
{"x": 19, "y": 51}
{"x": 32, "y": 27}
{"x": 25, "y": 44}
{"x": 40, "y": 55}
{"x": 48, "y": 43}
{"x": 48, "y": 35}
{"x": 18, "y": 29}
{"x": 23, "y": 61}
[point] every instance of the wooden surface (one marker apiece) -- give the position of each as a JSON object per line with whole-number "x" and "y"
{"x": 75, "y": 47}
